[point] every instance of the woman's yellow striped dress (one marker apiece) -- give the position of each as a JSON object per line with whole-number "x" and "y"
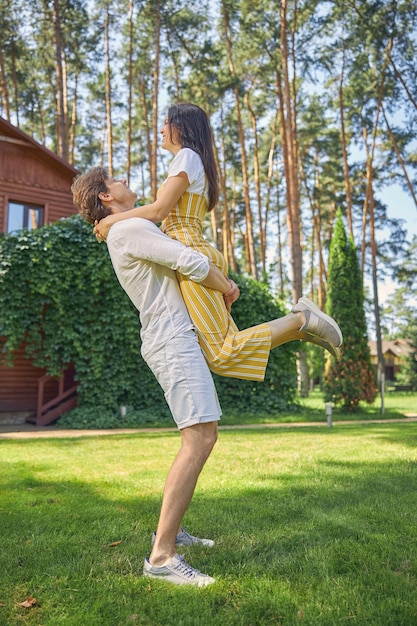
{"x": 228, "y": 351}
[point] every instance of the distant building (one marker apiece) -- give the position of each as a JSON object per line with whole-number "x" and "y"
{"x": 34, "y": 190}
{"x": 395, "y": 352}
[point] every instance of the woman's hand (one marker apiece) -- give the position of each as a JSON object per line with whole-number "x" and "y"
{"x": 232, "y": 295}
{"x": 102, "y": 227}
{"x": 97, "y": 232}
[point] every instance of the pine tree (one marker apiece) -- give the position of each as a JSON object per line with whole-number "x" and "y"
{"x": 351, "y": 378}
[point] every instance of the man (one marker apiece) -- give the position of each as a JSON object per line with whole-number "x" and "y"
{"x": 145, "y": 260}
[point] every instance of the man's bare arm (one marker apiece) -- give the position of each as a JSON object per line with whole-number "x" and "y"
{"x": 216, "y": 280}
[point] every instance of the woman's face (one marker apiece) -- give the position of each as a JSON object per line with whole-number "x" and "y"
{"x": 170, "y": 138}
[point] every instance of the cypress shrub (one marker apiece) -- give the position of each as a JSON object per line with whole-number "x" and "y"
{"x": 351, "y": 378}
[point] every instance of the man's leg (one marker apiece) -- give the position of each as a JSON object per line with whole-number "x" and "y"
{"x": 197, "y": 443}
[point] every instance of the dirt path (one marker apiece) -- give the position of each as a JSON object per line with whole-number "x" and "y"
{"x": 30, "y": 431}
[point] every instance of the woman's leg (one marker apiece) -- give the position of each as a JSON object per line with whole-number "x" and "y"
{"x": 307, "y": 322}
{"x": 286, "y": 329}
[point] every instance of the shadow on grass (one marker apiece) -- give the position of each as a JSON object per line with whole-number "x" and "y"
{"x": 337, "y": 543}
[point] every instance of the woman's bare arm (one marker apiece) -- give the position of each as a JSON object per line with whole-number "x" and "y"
{"x": 168, "y": 197}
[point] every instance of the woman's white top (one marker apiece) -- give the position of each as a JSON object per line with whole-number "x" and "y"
{"x": 188, "y": 161}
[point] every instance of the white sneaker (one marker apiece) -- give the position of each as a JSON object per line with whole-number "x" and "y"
{"x": 185, "y": 539}
{"x": 320, "y": 328}
{"x": 178, "y": 572}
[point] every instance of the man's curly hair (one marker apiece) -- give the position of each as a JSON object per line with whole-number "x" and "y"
{"x": 85, "y": 191}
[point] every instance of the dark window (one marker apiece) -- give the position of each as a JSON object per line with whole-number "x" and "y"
{"x": 21, "y": 216}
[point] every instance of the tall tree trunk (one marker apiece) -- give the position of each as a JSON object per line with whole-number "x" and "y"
{"x": 146, "y": 119}
{"x": 3, "y": 86}
{"x": 322, "y": 273}
{"x": 155, "y": 101}
{"x": 348, "y": 190}
{"x": 269, "y": 181}
{"x": 289, "y": 141}
{"x": 15, "y": 91}
{"x": 381, "y": 365}
{"x": 108, "y": 93}
{"x": 256, "y": 169}
{"x": 366, "y": 200}
{"x": 65, "y": 98}
{"x": 42, "y": 130}
{"x": 250, "y": 246}
{"x": 316, "y": 235}
{"x": 269, "y": 189}
{"x": 61, "y": 119}
{"x": 290, "y": 167}
{"x": 103, "y": 144}
{"x": 277, "y": 204}
{"x": 227, "y": 230}
{"x": 130, "y": 96}
{"x": 73, "y": 125}
{"x": 281, "y": 283}
{"x": 370, "y": 204}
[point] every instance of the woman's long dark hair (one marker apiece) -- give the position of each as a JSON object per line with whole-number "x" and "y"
{"x": 194, "y": 131}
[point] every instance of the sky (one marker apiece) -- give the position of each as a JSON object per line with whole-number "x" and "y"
{"x": 400, "y": 205}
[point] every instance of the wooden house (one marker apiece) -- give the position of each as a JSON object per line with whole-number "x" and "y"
{"x": 395, "y": 353}
{"x": 34, "y": 190}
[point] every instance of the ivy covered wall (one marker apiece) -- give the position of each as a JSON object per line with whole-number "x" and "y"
{"x": 59, "y": 294}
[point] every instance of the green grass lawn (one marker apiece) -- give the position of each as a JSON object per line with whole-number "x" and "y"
{"x": 312, "y": 526}
{"x": 312, "y": 409}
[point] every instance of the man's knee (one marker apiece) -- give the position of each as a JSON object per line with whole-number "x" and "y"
{"x": 201, "y": 436}
{"x": 211, "y": 434}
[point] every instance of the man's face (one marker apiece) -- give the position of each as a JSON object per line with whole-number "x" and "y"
{"x": 118, "y": 189}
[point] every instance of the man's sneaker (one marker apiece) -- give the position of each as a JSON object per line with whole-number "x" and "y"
{"x": 185, "y": 539}
{"x": 320, "y": 328}
{"x": 178, "y": 572}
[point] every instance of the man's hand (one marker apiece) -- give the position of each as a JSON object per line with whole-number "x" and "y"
{"x": 232, "y": 295}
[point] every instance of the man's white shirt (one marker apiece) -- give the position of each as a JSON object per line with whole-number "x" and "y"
{"x": 145, "y": 260}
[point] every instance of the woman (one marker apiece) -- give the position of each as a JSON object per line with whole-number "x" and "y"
{"x": 188, "y": 193}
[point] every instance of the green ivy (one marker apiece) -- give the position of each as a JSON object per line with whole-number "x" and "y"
{"x": 59, "y": 296}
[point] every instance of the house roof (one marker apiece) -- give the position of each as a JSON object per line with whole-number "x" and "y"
{"x": 400, "y": 348}
{"x": 12, "y": 134}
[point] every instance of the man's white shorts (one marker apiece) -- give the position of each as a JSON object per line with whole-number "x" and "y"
{"x": 182, "y": 372}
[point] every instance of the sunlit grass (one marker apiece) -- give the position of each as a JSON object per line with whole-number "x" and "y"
{"x": 397, "y": 405}
{"x": 312, "y": 526}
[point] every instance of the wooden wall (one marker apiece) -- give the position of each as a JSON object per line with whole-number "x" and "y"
{"x": 19, "y": 384}
{"x": 28, "y": 179}
{"x": 56, "y": 204}
{"x": 29, "y": 174}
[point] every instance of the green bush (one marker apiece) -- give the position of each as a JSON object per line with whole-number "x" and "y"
{"x": 276, "y": 393}
{"x": 59, "y": 296}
